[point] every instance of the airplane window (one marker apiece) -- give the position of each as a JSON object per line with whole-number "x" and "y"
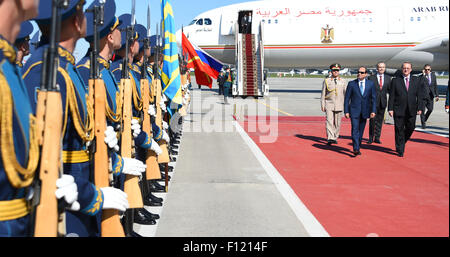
{"x": 412, "y": 18}
{"x": 192, "y": 22}
{"x": 269, "y": 21}
{"x": 263, "y": 21}
{"x": 208, "y": 21}
{"x": 276, "y": 21}
{"x": 418, "y": 18}
{"x": 199, "y": 22}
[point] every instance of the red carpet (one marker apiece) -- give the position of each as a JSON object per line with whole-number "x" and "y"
{"x": 377, "y": 193}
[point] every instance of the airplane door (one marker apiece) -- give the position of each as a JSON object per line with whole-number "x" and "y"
{"x": 396, "y": 22}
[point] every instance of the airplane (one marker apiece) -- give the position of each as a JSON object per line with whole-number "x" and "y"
{"x": 316, "y": 34}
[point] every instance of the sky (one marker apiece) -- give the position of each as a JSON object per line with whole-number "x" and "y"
{"x": 184, "y": 12}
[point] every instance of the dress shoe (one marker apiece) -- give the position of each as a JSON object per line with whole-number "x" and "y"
{"x": 400, "y": 154}
{"x": 356, "y": 153}
{"x": 154, "y": 198}
{"x": 377, "y": 141}
{"x": 424, "y": 125}
{"x": 140, "y": 218}
{"x": 156, "y": 187}
{"x": 330, "y": 142}
{"x": 370, "y": 141}
{"x": 334, "y": 141}
{"x": 149, "y": 202}
{"x": 149, "y": 214}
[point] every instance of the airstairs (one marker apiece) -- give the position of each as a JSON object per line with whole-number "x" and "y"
{"x": 250, "y": 79}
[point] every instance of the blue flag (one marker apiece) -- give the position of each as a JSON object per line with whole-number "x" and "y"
{"x": 170, "y": 76}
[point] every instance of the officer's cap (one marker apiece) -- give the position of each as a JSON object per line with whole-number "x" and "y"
{"x": 335, "y": 66}
{"x": 26, "y": 28}
{"x": 142, "y": 32}
{"x": 125, "y": 21}
{"x": 110, "y": 21}
{"x": 45, "y": 10}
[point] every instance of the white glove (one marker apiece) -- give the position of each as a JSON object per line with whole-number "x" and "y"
{"x": 67, "y": 188}
{"x": 136, "y": 127}
{"x": 166, "y": 137}
{"x": 165, "y": 125}
{"x": 155, "y": 147}
{"x": 163, "y": 106}
{"x": 111, "y": 139}
{"x": 151, "y": 110}
{"x": 114, "y": 199}
{"x": 133, "y": 167}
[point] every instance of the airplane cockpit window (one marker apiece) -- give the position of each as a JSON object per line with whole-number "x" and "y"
{"x": 192, "y": 22}
{"x": 208, "y": 21}
{"x": 199, "y": 22}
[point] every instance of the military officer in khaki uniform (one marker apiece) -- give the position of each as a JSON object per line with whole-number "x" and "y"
{"x": 332, "y": 102}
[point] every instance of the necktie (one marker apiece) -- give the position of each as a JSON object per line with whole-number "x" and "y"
{"x": 429, "y": 79}
{"x": 407, "y": 84}
{"x": 381, "y": 81}
{"x": 361, "y": 87}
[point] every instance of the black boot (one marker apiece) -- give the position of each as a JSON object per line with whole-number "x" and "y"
{"x": 141, "y": 218}
{"x": 156, "y": 187}
{"x": 149, "y": 214}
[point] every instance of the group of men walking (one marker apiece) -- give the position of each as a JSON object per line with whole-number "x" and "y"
{"x": 367, "y": 98}
{"x": 81, "y": 199}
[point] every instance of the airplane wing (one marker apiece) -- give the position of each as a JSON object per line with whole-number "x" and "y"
{"x": 435, "y": 45}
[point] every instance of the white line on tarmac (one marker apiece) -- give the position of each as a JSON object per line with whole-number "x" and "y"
{"x": 310, "y": 223}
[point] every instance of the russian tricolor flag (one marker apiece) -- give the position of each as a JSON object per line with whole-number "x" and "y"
{"x": 205, "y": 66}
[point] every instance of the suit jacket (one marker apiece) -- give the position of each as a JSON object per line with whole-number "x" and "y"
{"x": 356, "y": 103}
{"x": 430, "y": 90}
{"x": 404, "y": 102}
{"x": 381, "y": 93}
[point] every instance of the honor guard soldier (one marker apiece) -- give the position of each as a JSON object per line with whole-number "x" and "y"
{"x": 22, "y": 42}
{"x": 158, "y": 133}
{"x": 141, "y": 138}
{"x": 77, "y": 118}
{"x": 332, "y": 102}
{"x": 142, "y": 141}
{"x": 19, "y": 155}
{"x": 110, "y": 39}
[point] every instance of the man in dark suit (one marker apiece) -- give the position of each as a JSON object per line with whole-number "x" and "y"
{"x": 405, "y": 102}
{"x": 360, "y": 105}
{"x": 382, "y": 83}
{"x": 431, "y": 93}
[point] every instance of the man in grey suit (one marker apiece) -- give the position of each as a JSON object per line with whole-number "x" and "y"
{"x": 431, "y": 93}
{"x": 382, "y": 83}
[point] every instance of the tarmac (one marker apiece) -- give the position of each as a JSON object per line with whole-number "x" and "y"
{"x": 224, "y": 186}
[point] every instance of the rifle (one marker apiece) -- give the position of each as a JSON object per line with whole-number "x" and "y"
{"x": 152, "y": 171}
{"x": 50, "y": 220}
{"x": 110, "y": 224}
{"x": 164, "y": 156}
{"x": 131, "y": 186}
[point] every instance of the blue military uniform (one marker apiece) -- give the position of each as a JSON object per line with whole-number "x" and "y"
{"x": 77, "y": 126}
{"x": 19, "y": 150}
{"x": 143, "y": 140}
{"x": 137, "y": 68}
{"x": 114, "y": 106}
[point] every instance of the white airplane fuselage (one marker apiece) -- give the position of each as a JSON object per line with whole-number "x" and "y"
{"x": 315, "y": 34}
